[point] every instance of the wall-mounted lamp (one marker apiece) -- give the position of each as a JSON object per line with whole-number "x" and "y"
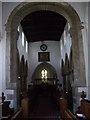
{"x": 19, "y": 77}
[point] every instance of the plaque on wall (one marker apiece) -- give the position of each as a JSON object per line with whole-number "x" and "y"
{"x": 43, "y": 56}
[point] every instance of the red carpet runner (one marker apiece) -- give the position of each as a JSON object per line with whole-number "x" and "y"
{"x": 44, "y": 110}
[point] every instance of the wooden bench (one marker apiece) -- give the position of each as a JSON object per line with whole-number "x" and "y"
{"x": 23, "y": 113}
{"x": 63, "y": 107}
{"x": 65, "y": 112}
{"x": 5, "y": 117}
{"x": 25, "y": 108}
{"x": 85, "y": 108}
{"x": 70, "y": 115}
{"x": 17, "y": 115}
{"x": 7, "y": 112}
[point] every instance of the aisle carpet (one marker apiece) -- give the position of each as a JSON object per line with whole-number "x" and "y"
{"x": 44, "y": 110}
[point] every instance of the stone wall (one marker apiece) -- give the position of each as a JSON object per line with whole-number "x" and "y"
{"x": 53, "y": 48}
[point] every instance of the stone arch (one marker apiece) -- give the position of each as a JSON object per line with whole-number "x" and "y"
{"x": 52, "y": 74}
{"x": 26, "y": 70}
{"x": 66, "y": 64}
{"x": 22, "y": 67}
{"x": 62, "y": 68}
{"x": 70, "y": 60}
{"x": 67, "y": 81}
{"x": 63, "y": 74}
{"x": 18, "y": 64}
{"x": 26, "y": 74}
{"x": 18, "y": 79}
{"x": 22, "y": 74}
{"x": 65, "y": 10}
{"x": 71, "y": 70}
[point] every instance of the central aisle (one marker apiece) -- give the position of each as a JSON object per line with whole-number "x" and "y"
{"x": 45, "y": 109}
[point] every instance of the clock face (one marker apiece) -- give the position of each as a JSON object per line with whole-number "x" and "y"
{"x": 43, "y": 47}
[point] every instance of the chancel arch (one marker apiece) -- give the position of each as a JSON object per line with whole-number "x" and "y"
{"x": 44, "y": 73}
{"x": 67, "y": 11}
{"x": 72, "y": 17}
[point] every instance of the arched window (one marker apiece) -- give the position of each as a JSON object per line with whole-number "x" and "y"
{"x": 44, "y": 75}
{"x": 26, "y": 47}
{"x": 22, "y": 39}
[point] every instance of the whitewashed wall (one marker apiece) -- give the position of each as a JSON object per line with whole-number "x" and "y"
{"x": 0, "y": 58}
{"x": 21, "y": 48}
{"x": 65, "y": 43}
{"x": 89, "y": 50}
{"x": 0, "y": 48}
{"x": 53, "y": 48}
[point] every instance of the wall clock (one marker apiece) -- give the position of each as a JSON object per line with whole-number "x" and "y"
{"x": 43, "y": 47}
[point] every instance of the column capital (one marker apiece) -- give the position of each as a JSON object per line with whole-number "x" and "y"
{"x": 15, "y": 34}
{"x": 73, "y": 30}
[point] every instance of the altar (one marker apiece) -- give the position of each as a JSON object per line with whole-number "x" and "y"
{"x": 49, "y": 81}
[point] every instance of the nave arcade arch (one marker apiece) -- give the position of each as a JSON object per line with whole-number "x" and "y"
{"x": 72, "y": 17}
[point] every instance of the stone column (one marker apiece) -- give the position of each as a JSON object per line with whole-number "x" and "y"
{"x": 64, "y": 83}
{"x": 78, "y": 57}
{"x": 71, "y": 76}
{"x": 18, "y": 80}
{"x": 8, "y": 59}
{"x": 13, "y": 65}
{"x": 63, "y": 75}
{"x": 67, "y": 72}
{"x": 67, "y": 82}
{"x": 23, "y": 84}
{"x": 78, "y": 64}
{"x": 13, "y": 60}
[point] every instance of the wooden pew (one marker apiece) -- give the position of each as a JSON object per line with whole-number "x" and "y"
{"x": 25, "y": 108}
{"x": 70, "y": 115}
{"x": 85, "y": 108}
{"x": 17, "y": 115}
{"x": 23, "y": 113}
{"x": 65, "y": 112}
{"x": 7, "y": 112}
{"x": 63, "y": 107}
